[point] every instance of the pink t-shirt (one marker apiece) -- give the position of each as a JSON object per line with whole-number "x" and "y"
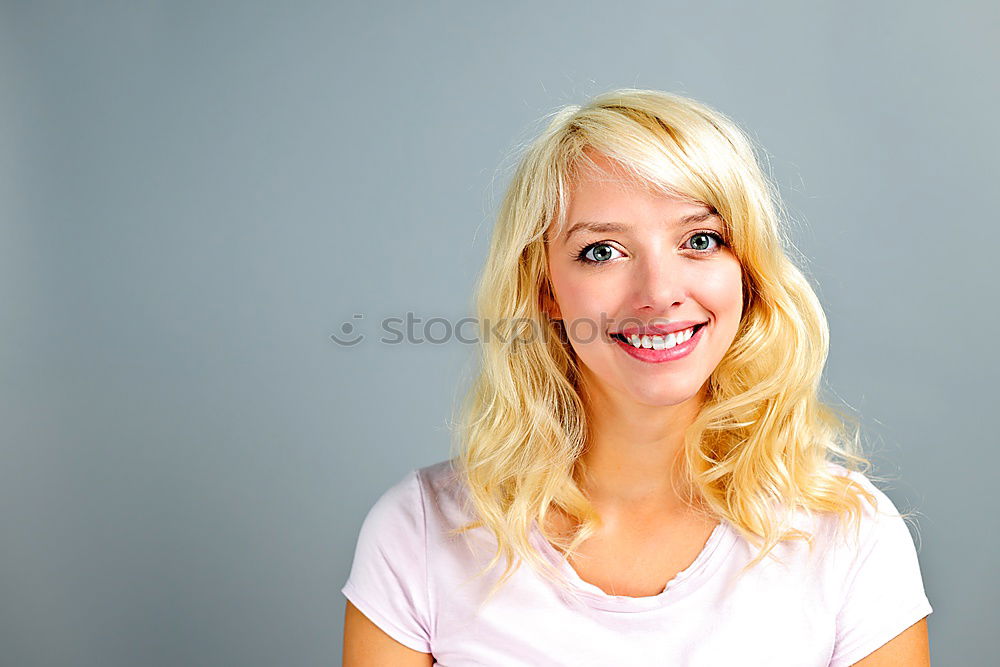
{"x": 828, "y": 609}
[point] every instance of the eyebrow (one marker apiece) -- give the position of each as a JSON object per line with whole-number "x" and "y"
{"x": 606, "y": 227}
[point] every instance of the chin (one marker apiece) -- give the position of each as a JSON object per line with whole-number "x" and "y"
{"x": 662, "y": 397}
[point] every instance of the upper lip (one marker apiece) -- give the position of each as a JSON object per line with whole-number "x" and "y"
{"x": 657, "y": 329}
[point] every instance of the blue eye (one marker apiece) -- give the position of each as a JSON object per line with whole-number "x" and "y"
{"x": 602, "y": 252}
{"x": 718, "y": 240}
{"x": 595, "y": 253}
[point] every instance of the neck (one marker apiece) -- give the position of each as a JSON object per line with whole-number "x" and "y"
{"x": 634, "y": 451}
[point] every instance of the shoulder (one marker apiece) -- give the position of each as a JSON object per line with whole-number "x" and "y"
{"x": 876, "y": 519}
{"x": 839, "y": 470}
{"x": 415, "y": 498}
{"x": 847, "y": 549}
{"x": 400, "y": 503}
{"x": 440, "y": 477}
{"x": 445, "y": 495}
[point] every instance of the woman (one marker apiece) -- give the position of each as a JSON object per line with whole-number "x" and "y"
{"x": 645, "y": 433}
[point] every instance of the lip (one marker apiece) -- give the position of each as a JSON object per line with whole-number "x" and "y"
{"x": 658, "y": 330}
{"x": 652, "y": 356}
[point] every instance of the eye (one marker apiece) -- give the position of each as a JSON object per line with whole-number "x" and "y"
{"x": 700, "y": 243}
{"x": 596, "y": 253}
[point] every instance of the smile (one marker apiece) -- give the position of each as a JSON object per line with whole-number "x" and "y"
{"x": 658, "y": 349}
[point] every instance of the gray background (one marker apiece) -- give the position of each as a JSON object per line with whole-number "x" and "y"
{"x": 195, "y": 196}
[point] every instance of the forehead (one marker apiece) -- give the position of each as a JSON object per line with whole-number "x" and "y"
{"x": 602, "y": 195}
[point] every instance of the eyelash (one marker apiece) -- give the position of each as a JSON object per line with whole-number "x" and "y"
{"x": 581, "y": 254}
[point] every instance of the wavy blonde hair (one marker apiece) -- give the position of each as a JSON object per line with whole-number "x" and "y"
{"x": 762, "y": 438}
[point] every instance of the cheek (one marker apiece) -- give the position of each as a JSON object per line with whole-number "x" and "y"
{"x": 590, "y": 295}
{"x": 721, "y": 289}
{"x": 579, "y": 293}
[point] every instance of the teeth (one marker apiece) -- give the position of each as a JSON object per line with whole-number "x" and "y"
{"x": 661, "y": 342}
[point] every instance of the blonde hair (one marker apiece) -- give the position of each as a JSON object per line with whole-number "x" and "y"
{"x": 761, "y": 440}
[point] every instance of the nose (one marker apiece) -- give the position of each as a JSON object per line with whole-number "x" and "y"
{"x": 660, "y": 285}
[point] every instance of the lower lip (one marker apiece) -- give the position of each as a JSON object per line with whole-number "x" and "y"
{"x": 649, "y": 355}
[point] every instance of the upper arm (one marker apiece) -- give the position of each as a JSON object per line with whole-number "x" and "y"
{"x": 388, "y": 582}
{"x": 367, "y": 645}
{"x": 910, "y": 647}
{"x": 882, "y": 617}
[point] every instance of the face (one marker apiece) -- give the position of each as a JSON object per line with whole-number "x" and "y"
{"x": 644, "y": 264}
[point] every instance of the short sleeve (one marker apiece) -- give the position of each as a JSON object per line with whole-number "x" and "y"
{"x": 388, "y": 579}
{"x": 884, "y": 592}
